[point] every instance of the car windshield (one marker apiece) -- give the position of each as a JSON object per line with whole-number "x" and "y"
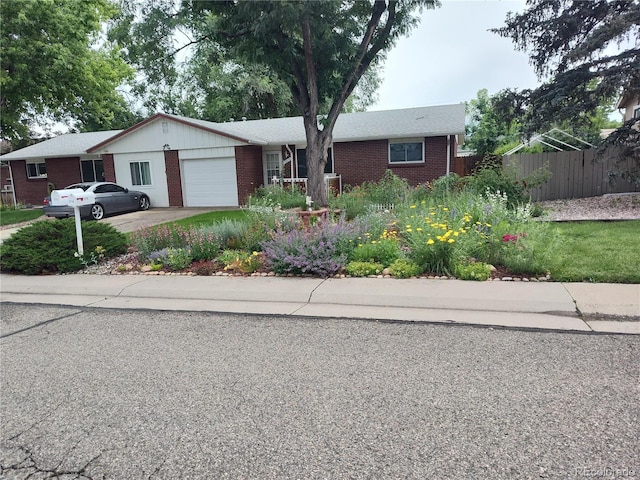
{"x": 83, "y": 186}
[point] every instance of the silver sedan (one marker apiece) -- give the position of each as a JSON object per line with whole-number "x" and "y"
{"x": 110, "y": 199}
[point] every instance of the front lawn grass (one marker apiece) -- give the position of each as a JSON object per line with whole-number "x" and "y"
{"x": 603, "y": 252}
{"x": 210, "y": 218}
{"x": 11, "y": 217}
{"x": 202, "y": 219}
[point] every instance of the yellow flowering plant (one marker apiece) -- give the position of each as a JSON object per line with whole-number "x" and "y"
{"x": 433, "y": 236}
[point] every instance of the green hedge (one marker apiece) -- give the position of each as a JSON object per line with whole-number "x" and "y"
{"x": 49, "y": 246}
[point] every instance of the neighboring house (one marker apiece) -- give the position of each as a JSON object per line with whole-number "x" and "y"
{"x": 180, "y": 161}
{"x": 631, "y": 106}
{"x": 6, "y": 185}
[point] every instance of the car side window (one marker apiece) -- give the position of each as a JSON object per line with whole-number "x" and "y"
{"x": 117, "y": 188}
{"x": 100, "y": 189}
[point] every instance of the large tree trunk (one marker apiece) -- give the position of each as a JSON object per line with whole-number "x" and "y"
{"x": 317, "y": 146}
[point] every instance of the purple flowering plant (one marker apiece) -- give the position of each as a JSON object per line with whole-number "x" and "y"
{"x": 322, "y": 249}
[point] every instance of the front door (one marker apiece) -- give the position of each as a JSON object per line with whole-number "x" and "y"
{"x": 272, "y": 167}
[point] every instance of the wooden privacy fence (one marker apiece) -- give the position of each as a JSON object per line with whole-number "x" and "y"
{"x": 575, "y": 174}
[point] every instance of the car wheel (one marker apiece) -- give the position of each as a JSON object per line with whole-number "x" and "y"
{"x": 97, "y": 212}
{"x": 144, "y": 203}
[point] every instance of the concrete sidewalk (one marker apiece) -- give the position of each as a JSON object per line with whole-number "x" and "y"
{"x": 612, "y": 308}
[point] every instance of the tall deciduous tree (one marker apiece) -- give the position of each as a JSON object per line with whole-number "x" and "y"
{"x": 51, "y": 66}
{"x": 319, "y": 49}
{"x": 487, "y": 129}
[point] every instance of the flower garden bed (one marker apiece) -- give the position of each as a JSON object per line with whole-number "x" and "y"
{"x": 471, "y": 238}
{"x": 379, "y": 230}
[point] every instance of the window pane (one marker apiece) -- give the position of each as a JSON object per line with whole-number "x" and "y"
{"x": 301, "y": 155}
{"x": 328, "y": 168}
{"x": 273, "y": 167}
{"x": 140, "y": 173}
{"x": 135, "y": 173}
{"x": 414, "y": 152}
{"x": 146, "y": 173}
{"x": 396, "y": 152}
{"x": 88, "y": 174}
{"x": 405, "y": 152}
{"x": 36, "y": 169}
{"x": 99, "y": 169}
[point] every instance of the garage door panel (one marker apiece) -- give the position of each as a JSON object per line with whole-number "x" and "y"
{"x": 210, "y": 182}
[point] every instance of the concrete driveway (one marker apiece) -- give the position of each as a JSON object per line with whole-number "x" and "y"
{"x": 130, "y": 222}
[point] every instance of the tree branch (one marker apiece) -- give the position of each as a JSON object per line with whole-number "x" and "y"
{"x": 365, "y": 56}
{"x": 312, "y": 76}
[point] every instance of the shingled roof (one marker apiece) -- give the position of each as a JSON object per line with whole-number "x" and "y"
{"x": 67, "y": 145}
{"x": 408, "y": 122}
{"x": 350, "y": 127}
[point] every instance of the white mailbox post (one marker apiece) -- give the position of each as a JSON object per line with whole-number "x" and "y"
{"x": 74, "y": 197}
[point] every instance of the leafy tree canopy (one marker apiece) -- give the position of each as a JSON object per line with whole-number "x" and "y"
{"x": 183, "y": 70}
{"x": 588, "y": 52}
{"x": 486, "y": 130}
{"x": 318, "y": 49}
{"x": 494, "y": 124}
{"x": 53, "y": 67}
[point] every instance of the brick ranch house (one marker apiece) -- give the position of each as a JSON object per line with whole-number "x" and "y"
{"x": 181, "y": 161}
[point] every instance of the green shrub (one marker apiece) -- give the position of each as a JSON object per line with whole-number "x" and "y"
{"x": 277, "y": 196}
{"x": 152, "y": 239}
{"x": 389, "y": 190}
{"x": 178, "y": 258}
{"x": 435, "y": 237}
{"x": 49, "y": 246}
{"x": 491, "y": 176}
{"x": 448, "y": 185}
{"x": 473, "y": 271}
{"x": 537, "y": 210}
{"x": 228, "y": 232}
{"x": 352, "y": 202}
{"x": 363, "y": 269}
{"x": 383, "y": 251}
{"x": 203, "y": 242}
{"x": 402, "y": 268}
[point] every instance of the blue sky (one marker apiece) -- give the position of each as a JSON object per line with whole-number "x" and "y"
{"x": 451, "y": 55}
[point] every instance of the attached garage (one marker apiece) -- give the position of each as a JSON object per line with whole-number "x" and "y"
{"x": 210, "y": 182}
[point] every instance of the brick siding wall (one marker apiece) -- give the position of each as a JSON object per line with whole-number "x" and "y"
{"x": 174, "y": 178}
{"x": 61, "y": 172}
{"x": 358, "y": 162}
{"x": 28, "y": 190}
{"x": 109, "y": 167}
{"x": 248, "y": 170}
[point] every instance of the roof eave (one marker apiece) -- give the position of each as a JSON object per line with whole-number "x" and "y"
{"x": 366, "y": 138}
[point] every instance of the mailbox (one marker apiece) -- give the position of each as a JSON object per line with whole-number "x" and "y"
{"x": 60, "y": 198}
{"x": 82, "y": 198}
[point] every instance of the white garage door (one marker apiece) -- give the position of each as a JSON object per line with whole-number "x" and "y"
{"x": 210, "y": 182}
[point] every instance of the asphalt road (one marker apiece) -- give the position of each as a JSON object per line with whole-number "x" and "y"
{"x": 122, "y": 394}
